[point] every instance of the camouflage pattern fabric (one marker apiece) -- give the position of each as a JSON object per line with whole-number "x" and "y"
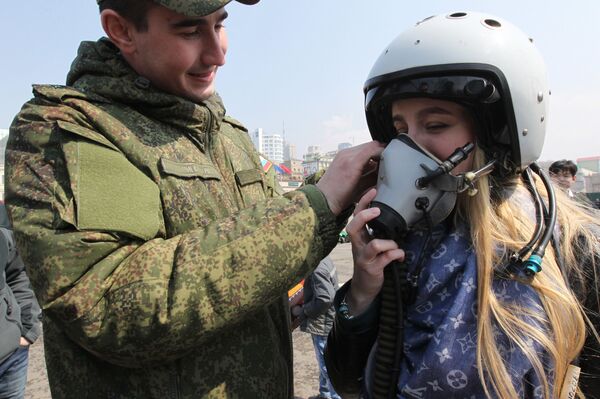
{"x": 155, "y": 246}
{"x": 196, "y": 8}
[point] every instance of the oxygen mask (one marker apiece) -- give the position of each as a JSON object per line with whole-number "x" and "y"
{"x": 414, "y": 186}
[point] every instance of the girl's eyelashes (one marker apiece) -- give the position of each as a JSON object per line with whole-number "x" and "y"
{"x": 436, "y": 126}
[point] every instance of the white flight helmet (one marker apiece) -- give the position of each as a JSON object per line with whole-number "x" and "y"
{"x": 478, "y": 60}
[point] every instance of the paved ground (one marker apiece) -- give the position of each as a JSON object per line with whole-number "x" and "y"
{"x": 306, "y": 374}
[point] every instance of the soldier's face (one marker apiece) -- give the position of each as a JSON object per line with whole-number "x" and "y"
{"x": 180, "y": 54}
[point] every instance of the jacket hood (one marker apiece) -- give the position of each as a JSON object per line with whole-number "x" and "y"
{"x": 99, "y": 68}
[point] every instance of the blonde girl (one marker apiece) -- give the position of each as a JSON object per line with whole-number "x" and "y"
{"x": 498, "y": 292}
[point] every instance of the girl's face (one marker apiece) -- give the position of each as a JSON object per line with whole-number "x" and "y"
{"x": 438, "y": 126}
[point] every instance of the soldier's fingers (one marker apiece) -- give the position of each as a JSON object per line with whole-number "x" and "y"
{"x": 365, "y": 200}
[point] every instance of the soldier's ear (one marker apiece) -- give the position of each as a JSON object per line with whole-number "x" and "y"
{"x": 119, "y": 30}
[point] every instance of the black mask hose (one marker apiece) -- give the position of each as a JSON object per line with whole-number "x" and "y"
{"x": 390, "y": 338}
{"x": 533, "y": 265}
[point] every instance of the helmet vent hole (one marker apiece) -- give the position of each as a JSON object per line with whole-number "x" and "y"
{"x": 492, "y": 23}
{"x": 457, "y": 15}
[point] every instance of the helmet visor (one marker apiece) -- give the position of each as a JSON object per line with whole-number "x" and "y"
{"x": 469, "y": 89}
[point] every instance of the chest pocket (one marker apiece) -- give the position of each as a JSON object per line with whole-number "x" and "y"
{"x": 110, "y": 193}
{"x": 251, "y": 185}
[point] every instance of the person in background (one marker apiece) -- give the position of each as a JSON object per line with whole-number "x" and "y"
{"x": 158, "y": 250}
{"x": 563, "y": 173}
{"x": 316, "y": 316}
{"x": 20, "y": 315}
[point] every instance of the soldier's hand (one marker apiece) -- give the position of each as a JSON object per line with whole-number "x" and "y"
{"x": 352, "y": 172}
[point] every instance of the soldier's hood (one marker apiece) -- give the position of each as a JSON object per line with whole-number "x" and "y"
{"x": 99, "y": 68}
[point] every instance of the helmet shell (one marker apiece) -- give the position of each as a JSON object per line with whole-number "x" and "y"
{"x": 475, "y": 44}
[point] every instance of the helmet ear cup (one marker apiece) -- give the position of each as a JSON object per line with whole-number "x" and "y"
{"x": 506, "y": 87}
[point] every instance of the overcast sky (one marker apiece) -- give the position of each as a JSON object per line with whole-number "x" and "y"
{"x": 302, "y": 64}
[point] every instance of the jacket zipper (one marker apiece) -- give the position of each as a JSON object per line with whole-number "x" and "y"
{"x": 207, "y": 134}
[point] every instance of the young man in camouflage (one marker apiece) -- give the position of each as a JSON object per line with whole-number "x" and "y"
{"x": 159, "y": 253}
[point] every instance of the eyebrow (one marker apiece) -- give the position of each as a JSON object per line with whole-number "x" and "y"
{"x": 191, "y": 22}
{"x": 434, "y": 110}
{"x": 424, "y": 112}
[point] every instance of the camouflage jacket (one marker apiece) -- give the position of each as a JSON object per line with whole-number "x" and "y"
{"x": 153, "y": 242}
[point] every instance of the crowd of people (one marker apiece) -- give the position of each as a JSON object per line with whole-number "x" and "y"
{"x": 161, "y": 253}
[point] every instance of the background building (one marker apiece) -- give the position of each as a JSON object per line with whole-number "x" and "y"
{"x": 289, "y": 151}
{"x": 257, "y": 138}
{"x": 314, "y": 161}
{"x": 590, "y": 163}
{"x": 295, "y": 165}
{"x": 269, "y": 145}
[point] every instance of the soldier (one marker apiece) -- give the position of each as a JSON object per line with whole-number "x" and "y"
{"x": 158, "y": 251}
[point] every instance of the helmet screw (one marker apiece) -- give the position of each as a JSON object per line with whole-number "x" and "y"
{"x": 540, "y": 97}
{"x": 417, "y": 42}
{"x": 525, "y": 131}
{"x": 542, "y": 118}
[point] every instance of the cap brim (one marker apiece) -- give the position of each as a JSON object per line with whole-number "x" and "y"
{"x": 198, "y": 8}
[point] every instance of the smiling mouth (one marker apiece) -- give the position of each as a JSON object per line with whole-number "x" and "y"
{"x": 203, "y": 77}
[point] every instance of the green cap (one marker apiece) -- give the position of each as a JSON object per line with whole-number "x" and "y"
{"x": 196, "y": 8}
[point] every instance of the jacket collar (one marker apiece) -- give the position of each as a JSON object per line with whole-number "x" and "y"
{"x": 100, "y": 69}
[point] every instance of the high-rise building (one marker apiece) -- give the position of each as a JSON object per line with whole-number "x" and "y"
{"x": 270, "y": 146}
{"x": 273, "y": 147}
{"x": 289, "y": 151}
{"x": 257, "y": 139}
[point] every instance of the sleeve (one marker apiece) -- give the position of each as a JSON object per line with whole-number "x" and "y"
{"x": 322, "y": 289}
{"x": 349, "y": 344}
{"x": 120, "y": 296}
{"x": 17, "y": 279}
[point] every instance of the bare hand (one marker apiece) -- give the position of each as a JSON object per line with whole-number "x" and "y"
{"x": 23, "y": 342}
{"x": 371, "y": 256}
{"x": 352, "y": 172}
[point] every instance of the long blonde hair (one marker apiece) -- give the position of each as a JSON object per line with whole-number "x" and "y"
{"x": 502, "y": 226}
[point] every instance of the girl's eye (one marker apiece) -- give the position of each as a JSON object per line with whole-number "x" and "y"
{"x": 436, "y": 126}
{"x": 400, "y": 128}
